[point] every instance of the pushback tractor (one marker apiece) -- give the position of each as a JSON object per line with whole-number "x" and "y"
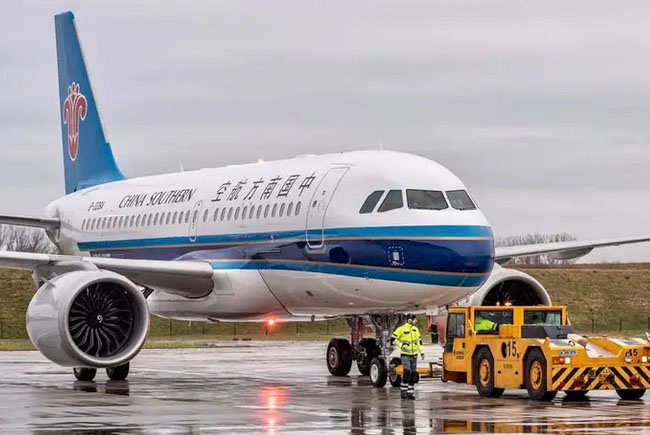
{"x": 535, "y": 348}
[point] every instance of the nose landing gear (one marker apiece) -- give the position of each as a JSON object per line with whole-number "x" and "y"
{"x": 371, "y": 354}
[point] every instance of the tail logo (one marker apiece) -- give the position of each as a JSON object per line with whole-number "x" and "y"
{"x": 75, "y": 108}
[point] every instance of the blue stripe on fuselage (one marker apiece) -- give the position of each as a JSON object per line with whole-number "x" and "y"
{"x": 441, "y": 255}
{"x": 391, "y": 232}
{"x": 411, "y": 276}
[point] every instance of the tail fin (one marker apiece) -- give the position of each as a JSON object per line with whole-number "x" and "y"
{"x": 87, "y": 157}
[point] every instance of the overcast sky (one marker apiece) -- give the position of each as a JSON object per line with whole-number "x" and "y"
{"x": 542, "y": 108}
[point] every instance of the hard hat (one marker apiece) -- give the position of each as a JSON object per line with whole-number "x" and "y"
{"x": 410, "y": 316}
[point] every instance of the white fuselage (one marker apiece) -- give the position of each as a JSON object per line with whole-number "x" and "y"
{"x": 286, "y": 238}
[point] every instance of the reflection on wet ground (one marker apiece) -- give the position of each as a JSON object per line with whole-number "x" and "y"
{"x": 273, "y": 388}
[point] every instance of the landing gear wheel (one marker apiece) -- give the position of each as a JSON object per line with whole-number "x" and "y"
{"x": 378, "y": 372}
{"x": 535, "y": 376}
{"x": 484, "y": 374}
{"x": 631, "y": 394}
{"x": 118, "y": 373}
{"x": 394, "y": 379}
{"x": 339, "y": 357}
{"x": 371, "y": 351}
{"x": 576, "y": 395}
{"x": 84, "y": 374}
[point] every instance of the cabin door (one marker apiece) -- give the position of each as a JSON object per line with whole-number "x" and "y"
{"x": 194, "y": 220}
{"x": 318, "y": 206}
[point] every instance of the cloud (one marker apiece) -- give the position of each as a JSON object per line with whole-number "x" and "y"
{"x": 541, "y": 108}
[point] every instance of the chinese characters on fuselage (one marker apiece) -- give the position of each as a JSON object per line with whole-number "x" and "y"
{"x": 251, "y": 188}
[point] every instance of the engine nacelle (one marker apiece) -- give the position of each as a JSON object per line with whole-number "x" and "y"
{"x": 503, "y": 286}
{"x": 88, "y": 318}
{"x": 509, "y": 286}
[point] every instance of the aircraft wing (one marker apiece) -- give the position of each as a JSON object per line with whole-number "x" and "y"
{"x": 562, "y": 250}
{"x": 185, "y": 278}
{"x": 24, "y": 221}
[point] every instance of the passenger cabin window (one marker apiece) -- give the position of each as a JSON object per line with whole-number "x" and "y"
{"x": 488, "y": 321}
{"x": 371, "y": 202}
{"x": 392, "y": 201}
{"x": 460, "y": 200}
{"x": 426, "y": 199}
{"x": 455, "y": 329}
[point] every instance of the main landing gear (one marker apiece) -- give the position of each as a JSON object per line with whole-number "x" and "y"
{"x": 118, "y": 373}
{"x": 371, "y": 354}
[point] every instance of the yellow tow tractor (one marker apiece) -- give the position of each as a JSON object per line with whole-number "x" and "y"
{"x": 535, "y": 348}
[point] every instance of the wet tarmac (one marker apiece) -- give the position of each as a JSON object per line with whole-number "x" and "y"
{"x": 276, "y": 387}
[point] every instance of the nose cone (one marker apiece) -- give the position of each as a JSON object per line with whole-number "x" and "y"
{"x": 463, "y": 250}
{"x": 475, "y": 253}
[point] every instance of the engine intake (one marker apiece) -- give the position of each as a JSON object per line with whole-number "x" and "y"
{"x": 509, "y": 286}
{"x": 89, "y": 318}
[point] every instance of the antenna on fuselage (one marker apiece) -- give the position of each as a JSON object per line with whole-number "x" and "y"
{"x": 381, "y": 144}
{"x": 181, "y": 167}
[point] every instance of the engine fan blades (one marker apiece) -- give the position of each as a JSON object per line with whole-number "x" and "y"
{"x": 101, "y": 319}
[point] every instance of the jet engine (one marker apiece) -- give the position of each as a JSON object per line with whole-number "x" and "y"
{"x": 88, "y": 318}
{"x": 504, "y": 286}
{"x": 509, "y": 286}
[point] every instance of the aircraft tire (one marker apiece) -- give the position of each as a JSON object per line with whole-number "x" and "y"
{"x": 118, "y": 373}
{"x": 84, "y": 373}
{"x": 339, "y": 357}
{"x": 372, "y": 350}
{"x": 378, "y": 372}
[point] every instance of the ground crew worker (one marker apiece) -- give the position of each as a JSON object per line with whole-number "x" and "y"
{"x": 483, "y": 324}
{"x": 407, "y": 338}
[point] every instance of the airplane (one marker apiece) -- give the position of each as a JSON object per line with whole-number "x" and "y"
{"x": 367, "y": 236}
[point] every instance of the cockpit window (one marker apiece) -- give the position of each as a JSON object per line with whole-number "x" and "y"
{"x": 392, "y": 201}
{"x": 460, "y": 200}
{"x": 426, "y": 199}
{"x": 371, "y": 202}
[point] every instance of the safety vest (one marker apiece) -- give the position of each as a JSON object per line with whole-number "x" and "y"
{"x": 407, "y": 338}
{"x": 483, "y": 324}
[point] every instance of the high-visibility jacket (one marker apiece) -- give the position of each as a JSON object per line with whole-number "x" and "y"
{"x": 483, "y": 324}
{"x": 407, "y": 338}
